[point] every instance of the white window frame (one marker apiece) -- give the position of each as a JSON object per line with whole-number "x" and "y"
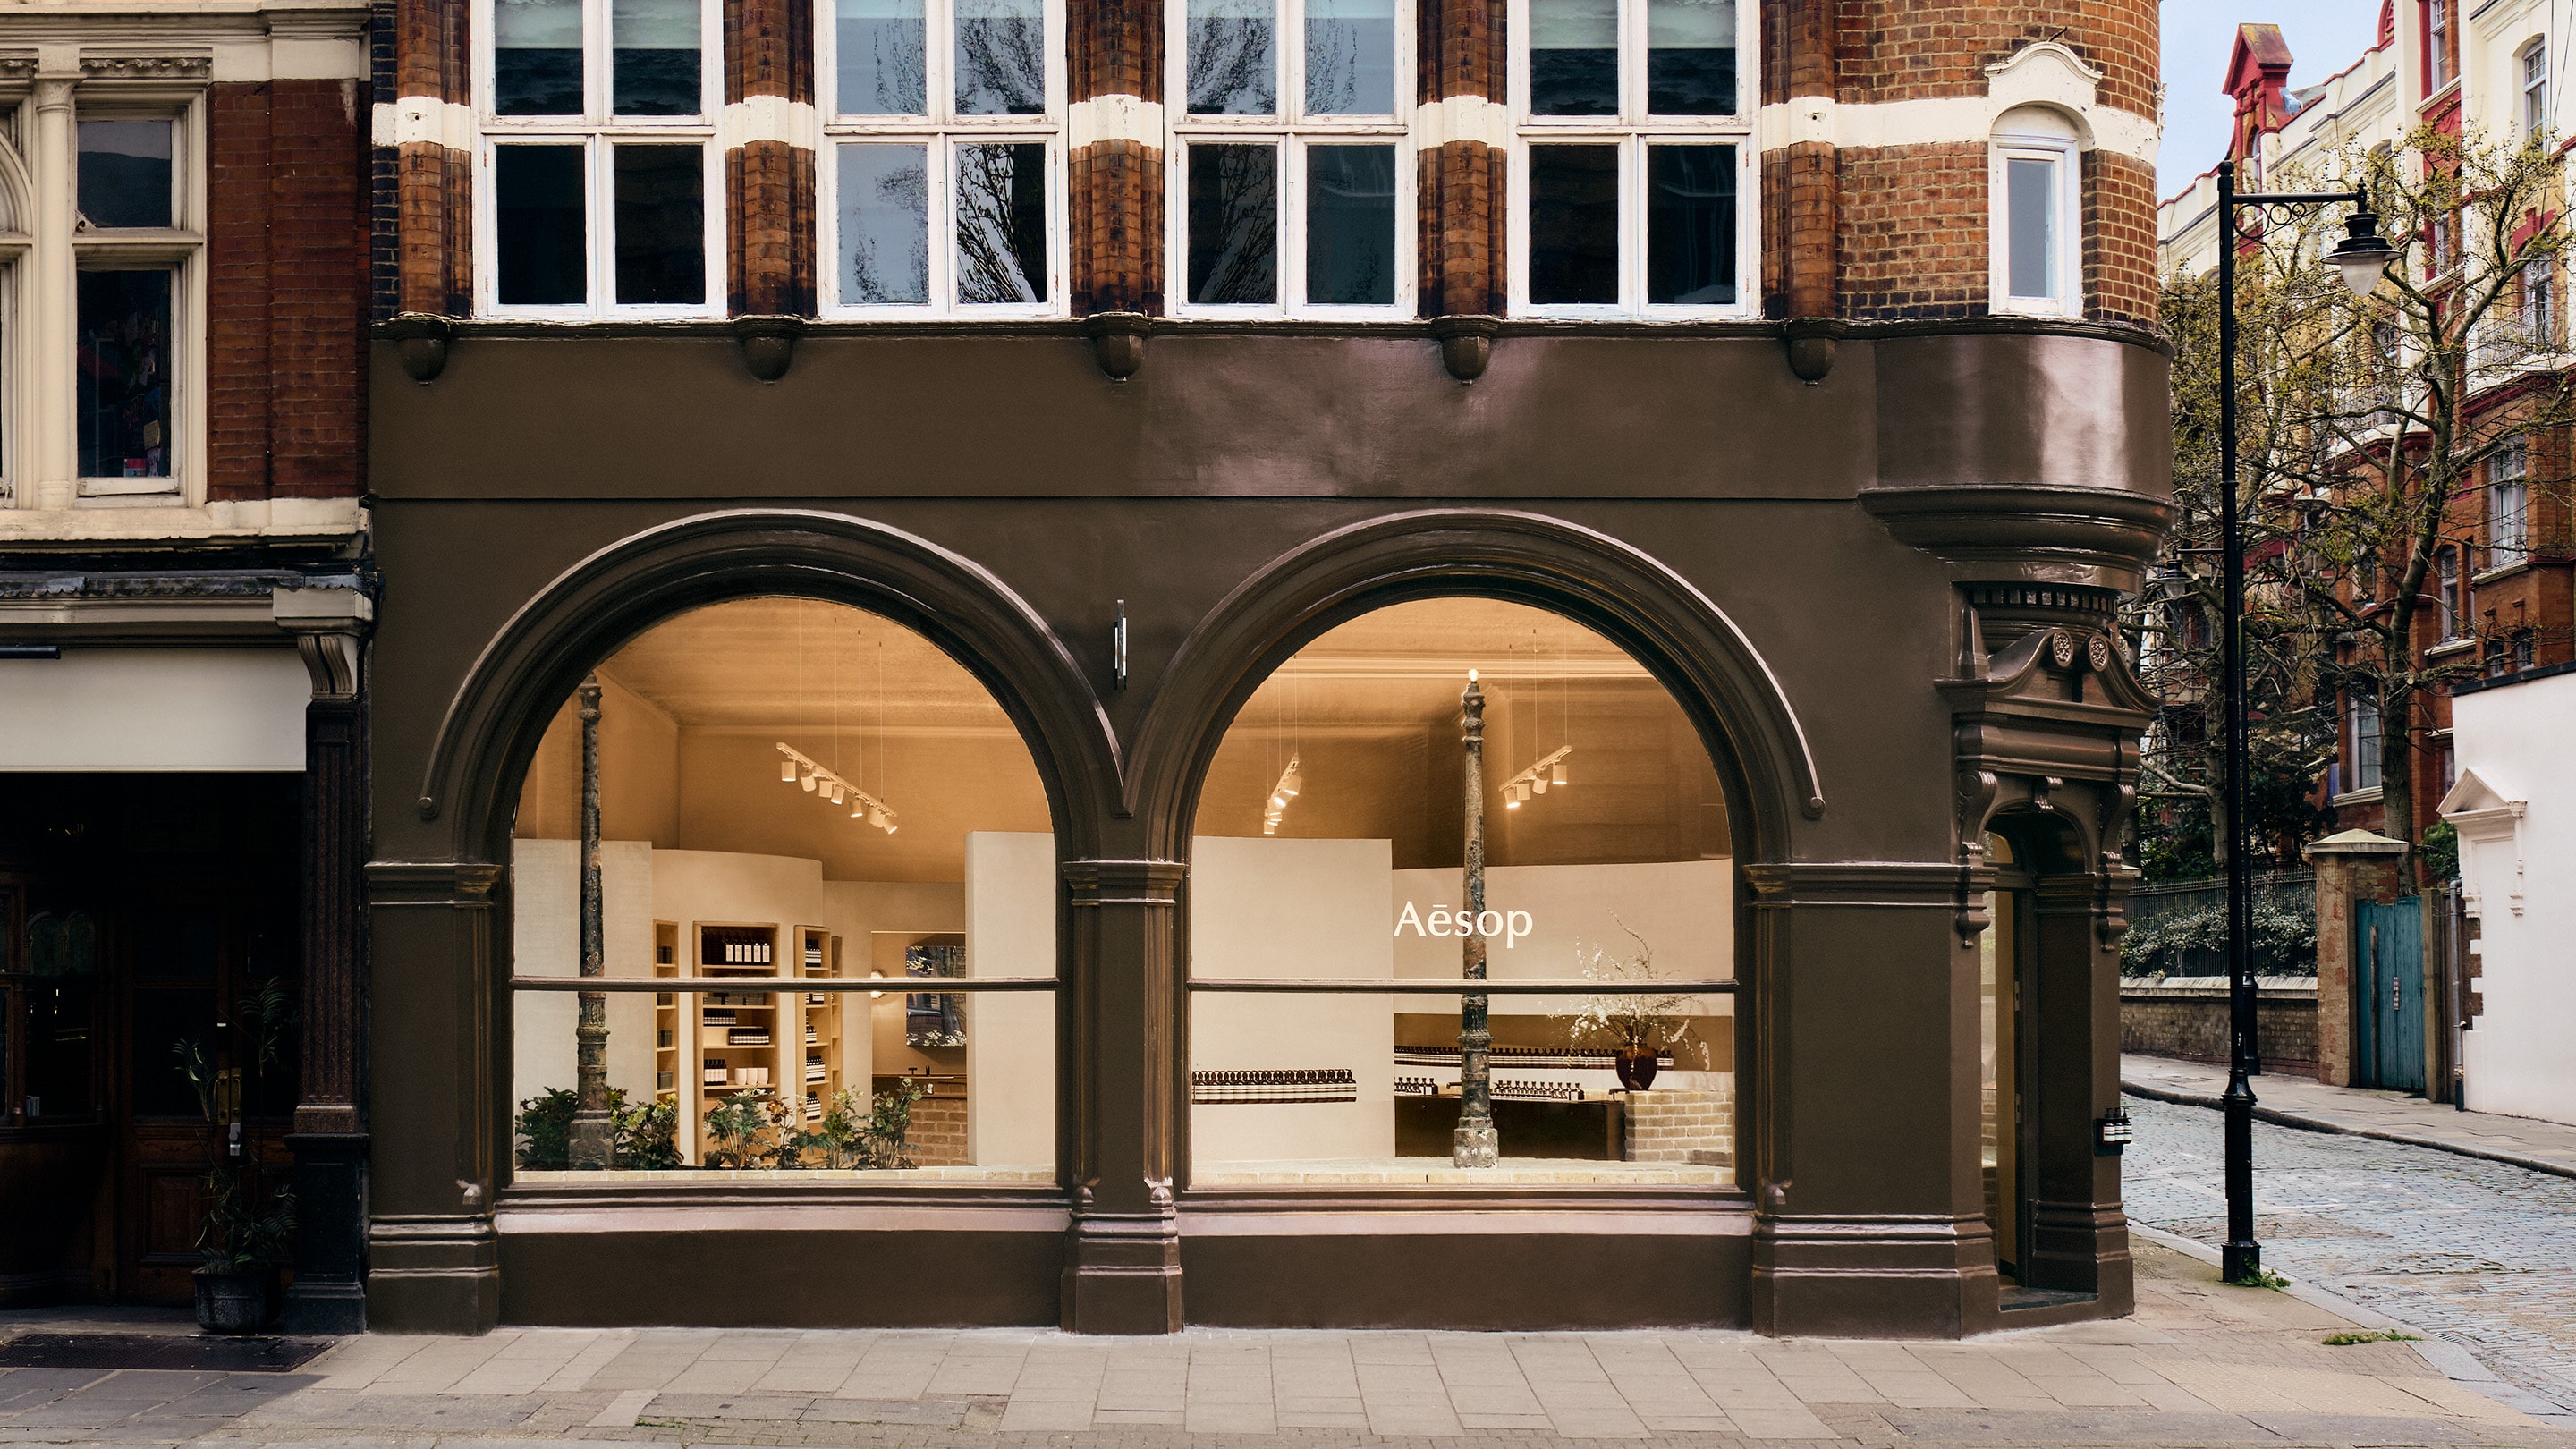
{"x": 2024, "y": 142}
{"x": 940, "y": 133}
{"x": 2509, "y": 505}
{"x": 179, "y": 249}
{"x": 2533, "y": 62}
{"x": 1633, "y": 130}
{"x": 598, "y": 131}
{"x": 1288, "y": 131}
{"x": 2365, "y": 763}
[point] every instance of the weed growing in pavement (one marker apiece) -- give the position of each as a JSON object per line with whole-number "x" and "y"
{"x": 2376, "y": 1335}
{"x": 2263, "y": 1278}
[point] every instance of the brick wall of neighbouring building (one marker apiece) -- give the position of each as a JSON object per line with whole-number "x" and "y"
{"x": 2187, "y": 1017}
{"x": 1680, "y": 1126}
{"x": 938, "y": 1136}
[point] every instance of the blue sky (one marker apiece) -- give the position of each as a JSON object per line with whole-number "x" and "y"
{"x": 2324, "y": 36}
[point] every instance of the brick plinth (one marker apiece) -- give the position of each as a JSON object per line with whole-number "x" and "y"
{"x": 1690, "y": 1125}
{"x": 938, "y": 1135}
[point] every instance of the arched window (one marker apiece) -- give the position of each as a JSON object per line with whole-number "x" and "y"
{"x": 795, "y": 800}
{"x": 1333, "y": 910}
{"x": 2035, "y": 221}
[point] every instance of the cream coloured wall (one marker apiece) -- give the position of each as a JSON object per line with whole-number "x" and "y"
{"x": 1274, "y": 907}
{"x": 639, "y": 772}
{"x": 545, "y": 940}
{"x": 1010, "y": 901}
{"x": 2515, "y": 873}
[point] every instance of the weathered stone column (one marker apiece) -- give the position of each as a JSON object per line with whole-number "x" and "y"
{"x": 329, "y": 1138}
{"x": 1474, "y": 1143}
{"x": 593, "y": 1137}
{"x": 1123, "y": 1268}
{"x": 2356, "y": 865}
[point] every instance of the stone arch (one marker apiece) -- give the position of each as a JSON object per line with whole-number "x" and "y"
{"x": 500, "y": 711}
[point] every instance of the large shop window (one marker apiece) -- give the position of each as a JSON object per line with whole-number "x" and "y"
{"x": 1332, "y": 910}
{"x": 137, "y": 246}
{"x": 944, "y": 170}
{"x": 598, "y": 160}
{"x": 1291, "y": 172}
{"x": 1635, "y": 189}
{"x": 832, "y": 843}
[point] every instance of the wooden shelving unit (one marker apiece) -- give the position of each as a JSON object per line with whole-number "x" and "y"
{"x": 740, "y": 1035}
{"x": 667, "y": 1052}
{"x": 818, "y": 1054}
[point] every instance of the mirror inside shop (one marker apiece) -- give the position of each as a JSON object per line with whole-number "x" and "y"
{"x": 810, "y": 817}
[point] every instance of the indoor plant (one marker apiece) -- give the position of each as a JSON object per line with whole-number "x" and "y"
{"x": 1637, "y": 1028}
{"x": 242, "y": 1249}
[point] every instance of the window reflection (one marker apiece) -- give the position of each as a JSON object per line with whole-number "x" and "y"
{"x": 1234, "y": 223}
{"x": 1001, "y": 57}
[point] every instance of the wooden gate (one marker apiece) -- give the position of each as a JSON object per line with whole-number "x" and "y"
{"x": 2389, "y": 942}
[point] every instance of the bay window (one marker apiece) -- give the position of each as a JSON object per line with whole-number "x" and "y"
{"x": 599, "y": 162}
{"x": 1633, "y": 186}
{"x": 1290, "y": 165}
{"x": 944, "y": 166}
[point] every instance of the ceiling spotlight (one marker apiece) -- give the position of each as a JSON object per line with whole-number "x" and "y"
{"x": 1557, "y": 772}
{"x": 809, "y": 781}
{"x": 859, "y": 810}
{"x": 1512, "y": 802}
{"x": 840, "y": 792}
{"x": 1292, "y": 782}
{"x": 1539, "y": 784}
{"x": 787, "y": 771}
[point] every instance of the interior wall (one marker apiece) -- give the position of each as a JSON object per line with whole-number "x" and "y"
{"x": 1010, "y": 899}
{"x": 639, "y": 772}
{"x": 1272, "y": 907}
{"x": 860, "y": 913}
{"x": 545, "y": 940}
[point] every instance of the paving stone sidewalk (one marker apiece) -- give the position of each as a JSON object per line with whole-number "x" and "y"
{"x": 2200, "y": 1363}
{"x": 2295, "y": 1101}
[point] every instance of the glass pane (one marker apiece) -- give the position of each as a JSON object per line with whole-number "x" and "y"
{"x": 865, "y": 860}
{"x": 1234, "y": 70}
{"x": 1607, "y": 862}
{"x": 655, "y": 58}
{"x": 1350, "y": 225}
{"x": 1001, "y": 222}
{"x": 2033, "y": 203}
{"x": 173, "y": 1032}
{"x": 885, "y": 224}
{"x": 1234, "y": 224}
{"x": 883, "y": 61}
{"x": 542, "y": 242}
{"x": 62, "y": 957}
{"x": 536, "y": 57}
{"x": 1690, "y": 57}
{"x": 661, "y": 225}
{"x": 1574, "y": 225}
{"x": 125, "y": 172}
{"x": 1690, "y": 225}
{"x": 1350, "y": 57}
{"x": 124, "y": 363}
{"x": 1574, "y": 57}
{"x": 1001, "y": 57}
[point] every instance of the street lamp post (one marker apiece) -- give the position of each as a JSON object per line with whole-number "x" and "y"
{"x": 2361, "y": 256}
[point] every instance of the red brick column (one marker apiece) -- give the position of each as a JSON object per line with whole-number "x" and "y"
{"x": 1800, "y": 181}
{"x": 770, "y": 235}
{"x": 1462, "y": 56}
{"x": 433, "y": 170}
{"x": 1114, "y": 90}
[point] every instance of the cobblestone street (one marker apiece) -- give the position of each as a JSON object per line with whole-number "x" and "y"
{"x": 2482, "y": 1253}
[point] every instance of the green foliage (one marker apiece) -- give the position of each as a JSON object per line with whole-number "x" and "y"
{"x": 2263, "y": 1278}
{"x": 2284, "y": 944}
{"x": 857, "y": 1132}
{"x": 2442, "y": 851}
{"x": 237, "y": 1234}
{"x": 268, "y": 1011}
{"x": 2377, "y": 1335}
{"x": 750, "y": 1129}
{"x": 645, "y": 1138}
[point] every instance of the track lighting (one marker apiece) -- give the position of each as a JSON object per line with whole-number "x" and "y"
{"x": 1290, "y": 782}
{"x": 835, "y": 790}
{"x": 1537, "y": 778}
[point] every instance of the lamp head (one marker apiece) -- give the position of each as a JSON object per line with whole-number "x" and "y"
{"x": 2363, "y": 254}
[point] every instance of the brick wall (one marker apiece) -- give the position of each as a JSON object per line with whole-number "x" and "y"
{"x": 288, "y": 269}
{"x": 2193, "y": 1023}
{"x": 1910, "y": 234}
{"x": 2119, "y": 238}
{"x": 938, "y": 1135}
{"x": 1899, "y": 50}
{"x": 1680, "y": 1126}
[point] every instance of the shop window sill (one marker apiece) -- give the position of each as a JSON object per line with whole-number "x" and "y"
{"x": 1436, "y": 1172}
{"x": 788, "y": 1177}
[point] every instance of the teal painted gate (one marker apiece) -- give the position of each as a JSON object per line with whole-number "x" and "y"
{"x": 2388, "y": 941}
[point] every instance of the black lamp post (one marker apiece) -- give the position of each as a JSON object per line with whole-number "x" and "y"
{"x": 2362, "y": 256}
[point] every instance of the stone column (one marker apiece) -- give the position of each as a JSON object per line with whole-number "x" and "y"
{"x": 329, "y": 1138}
{"x": 1121, "y": 1004}
{"x": 2356, "y": 865}
{"x": 593, "y": 1136}
{"x": 1474, "y": 1144}
{"x": 49, "y": 465}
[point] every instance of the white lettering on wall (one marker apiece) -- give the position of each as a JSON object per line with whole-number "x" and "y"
{"x": 1445, "y": 923}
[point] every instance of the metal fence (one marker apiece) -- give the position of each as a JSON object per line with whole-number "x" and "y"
{"x": 2180, "y": 928}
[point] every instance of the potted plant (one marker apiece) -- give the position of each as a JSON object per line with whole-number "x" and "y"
{"x": 1637, "y": 1027}
{"x": 242, "y": 1249}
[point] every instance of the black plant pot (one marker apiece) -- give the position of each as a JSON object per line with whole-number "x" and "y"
{"x": 1637, "y": 1068}
{"x": 235, "y": 1300}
